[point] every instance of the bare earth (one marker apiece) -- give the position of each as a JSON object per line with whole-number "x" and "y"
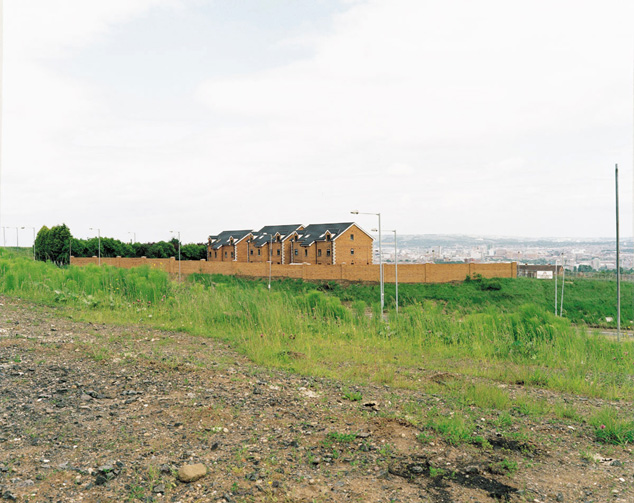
{"x": 109, "y": 413}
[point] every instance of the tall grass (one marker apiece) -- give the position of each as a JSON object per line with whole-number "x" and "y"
{"x": 300, "y": 328}
{"x": 587, "y": 301}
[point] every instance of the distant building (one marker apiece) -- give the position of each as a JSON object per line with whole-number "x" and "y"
{"x": 323, "y": 244}
{"x": 228, "y": 245}
{"x": 273, "y": 241}
{"x": 334, "y": 243}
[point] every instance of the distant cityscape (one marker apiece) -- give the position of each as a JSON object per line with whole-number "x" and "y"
{"x": 575, "y": 254}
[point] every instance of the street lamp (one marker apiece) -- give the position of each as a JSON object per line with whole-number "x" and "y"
{"x": 395, "y": 267}
{"x": 179, "y": 253}
{"x": 27, "y": 227}
{"x": 556, "y": 287}
{"x": 380, "y": 256}
{"x": 270, "y": 255}
{"x": 563, "y": 283}
{"x": 99, "y": 237}
{"x": 133, "y": 237}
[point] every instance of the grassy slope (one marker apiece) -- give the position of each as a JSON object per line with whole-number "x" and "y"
{"x": 586, "y": 301}
{"x": 473, "y": 330}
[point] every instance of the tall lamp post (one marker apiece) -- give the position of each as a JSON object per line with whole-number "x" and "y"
{"x": 380, "y": 255}
{"x": 556, "y": 286}
{"x": 395, "y": 267}
{"x": 99, "y": 238}
{"x": 133, "y": 237}
{"x": 270, "y": 255}
{"x": 179, "y": 253}
{"x": 27, "y": 227}
{"x": 563, "y": 283}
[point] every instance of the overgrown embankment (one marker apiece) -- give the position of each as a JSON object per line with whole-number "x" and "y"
{"x": 477, "y": 368}
{"x": 484, "y": 328}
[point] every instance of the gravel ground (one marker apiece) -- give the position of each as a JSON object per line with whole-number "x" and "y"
{"x": 102, "y": 413}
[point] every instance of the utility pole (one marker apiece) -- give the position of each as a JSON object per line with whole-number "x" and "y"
{"x": 618, "y": 258}
{"x": 556, "y": 275}
{"x": 563, "y": 283}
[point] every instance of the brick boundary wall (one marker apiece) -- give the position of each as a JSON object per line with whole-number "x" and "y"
{"x": 407, "y": 273}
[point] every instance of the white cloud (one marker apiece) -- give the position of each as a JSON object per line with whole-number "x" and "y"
{"x": 457, "y": 88}
{"x": 454, "y": 116}
{"x": 56, "y": 27}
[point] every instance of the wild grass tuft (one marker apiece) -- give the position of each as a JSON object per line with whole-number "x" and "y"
{"x": 611, "y": 428}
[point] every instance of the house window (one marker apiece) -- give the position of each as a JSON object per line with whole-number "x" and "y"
{"x": 319, "y": 253}
{"x": 225, "y": 254}
{"x": 231, "y": 254}
{"x": 296, "y": 252}
{"x": 278, "y": 252}
{"x": 252, "y": 251}
{"x": 215, "y": 254}
{"x": 351, "y": 251}
{"x": 327, "y": 253}
{"x": 259, "y": 252}
{"x": 306, "y": 252}
{"x": 351, "y": 237}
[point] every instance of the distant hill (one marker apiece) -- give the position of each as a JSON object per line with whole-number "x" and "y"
{"x": 430, "y": 240}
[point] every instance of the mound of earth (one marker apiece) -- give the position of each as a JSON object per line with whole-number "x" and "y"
{"x": 128, "y": 413}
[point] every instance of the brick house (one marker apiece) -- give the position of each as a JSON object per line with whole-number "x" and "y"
{"x": 229, "y": 245}
{"x": 273, "y": 239}
{"x": 329, "y": 244}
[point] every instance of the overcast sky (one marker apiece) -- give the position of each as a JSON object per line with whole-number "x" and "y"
{"x": 495, "y": 117}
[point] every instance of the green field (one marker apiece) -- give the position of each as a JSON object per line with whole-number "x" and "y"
{"x": 481, "y": 331}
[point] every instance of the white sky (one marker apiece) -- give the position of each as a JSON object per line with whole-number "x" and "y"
{"x": 497, "y": 117}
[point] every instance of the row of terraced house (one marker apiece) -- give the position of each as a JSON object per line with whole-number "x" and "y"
{"x": 323, "y": 244}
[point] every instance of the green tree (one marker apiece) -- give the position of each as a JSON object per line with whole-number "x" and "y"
{"x": 59, "y": 244}
{"x": 78, "y": 248}
{"x": 41, "y": 244}
{"x": 114, "y": 248}
{"x": 161, "y": 249}
{"x": 193, "y": 251}
{"x": 140, "y": 249}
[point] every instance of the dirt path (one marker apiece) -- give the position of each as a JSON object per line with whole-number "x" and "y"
{"x": 107, "y": 413}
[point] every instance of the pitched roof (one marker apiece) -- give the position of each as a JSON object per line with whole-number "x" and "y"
{"x": 317, "y": 232}
{"x": 263, "y": 236}
{"x": 224, "y": 238}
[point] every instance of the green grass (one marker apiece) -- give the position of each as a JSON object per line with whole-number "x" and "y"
{"x": 341, "y": 438}
{"x": 471, "y": 330}
{"x": 586, "y": 301}
{"x": 456, "y": 427}
{"x": 611, "y": 428}
{"x": 353, "y": 396}
{"x": 504, "y": 467}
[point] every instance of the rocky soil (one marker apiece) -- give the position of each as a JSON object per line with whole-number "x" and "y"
{"x": 102, "y": 413}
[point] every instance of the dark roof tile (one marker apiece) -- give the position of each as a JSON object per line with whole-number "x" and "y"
{"x": 224, "y": 238}
{"x": 263, "y": 236}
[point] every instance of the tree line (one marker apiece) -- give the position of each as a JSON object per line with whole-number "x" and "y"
{"x": 57, "y": 245}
